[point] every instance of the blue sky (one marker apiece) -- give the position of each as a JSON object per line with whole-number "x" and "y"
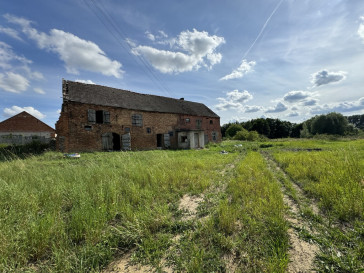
{"x": 286, "y": 59}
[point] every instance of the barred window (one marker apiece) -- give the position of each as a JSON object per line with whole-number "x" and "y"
{"x": 137, "y": 120}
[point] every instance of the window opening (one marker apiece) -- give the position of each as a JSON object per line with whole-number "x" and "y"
{"x": 184, "y": 139}
{"x": 198, "y": 123}
{"x": 99, "y": 116}
{"x": 214, "y": 136}
{"x": 137, "y": 120}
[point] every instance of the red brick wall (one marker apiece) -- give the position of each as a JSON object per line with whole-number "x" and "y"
{"x": 24, "y": 122}
{"x": 74, "y": 118}
{"x": 208, "y": 125}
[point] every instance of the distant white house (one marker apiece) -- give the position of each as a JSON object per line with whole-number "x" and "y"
{"x": 24, "y": 128}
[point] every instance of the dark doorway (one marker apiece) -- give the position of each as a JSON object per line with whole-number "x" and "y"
{"x": 116, "y": 142}
{"x": 159, "y": 140}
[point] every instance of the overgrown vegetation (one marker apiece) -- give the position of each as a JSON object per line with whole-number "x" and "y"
{"x": 77, "y": 215}
{"x": 70, "y": 215}
{"x": 8, "y": 152}
{"x": 334, "y": 178}
{"x": 326, "y": 124}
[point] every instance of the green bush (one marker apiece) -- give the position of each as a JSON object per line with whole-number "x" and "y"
{"x": 246, "y": 135}
{"x": 241, "y": 135}
{"x": 233, "y": 129}
{"x": 21, "y": 151}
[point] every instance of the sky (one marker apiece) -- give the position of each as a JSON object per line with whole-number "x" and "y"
{"x": 244, "y": 59}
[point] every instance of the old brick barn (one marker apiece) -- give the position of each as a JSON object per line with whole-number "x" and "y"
{"x": 96, "y": 118}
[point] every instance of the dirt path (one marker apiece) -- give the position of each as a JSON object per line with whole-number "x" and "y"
{"x": 188, "y": 206}
{"x": 301, "y": 253}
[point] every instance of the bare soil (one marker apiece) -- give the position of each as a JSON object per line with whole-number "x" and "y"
{"x": 188, "y": 204}
{"x": 301, "y": 253}
{"x": 124, "y": 265}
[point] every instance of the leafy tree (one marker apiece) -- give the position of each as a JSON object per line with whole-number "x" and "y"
{"x": 357, "y": 121}
{"x": 224, "y": 128}
{"x": 242, "y": 135}
{"x": 260, "y": 125}
{"x": 332, "y": 124}
{"x": 296, "y": 129}
{"x": 282, "y": 128}
{"x": 246, "y": 135}
{"x": 253, "y": 135}
{"x": 233, "y": 129}
{"x": 305, "y": 132}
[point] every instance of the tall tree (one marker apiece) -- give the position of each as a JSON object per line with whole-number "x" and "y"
{"x": 332, "y": 124}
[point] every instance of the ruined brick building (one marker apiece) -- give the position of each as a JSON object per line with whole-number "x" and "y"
{"x": 96, "y": 118}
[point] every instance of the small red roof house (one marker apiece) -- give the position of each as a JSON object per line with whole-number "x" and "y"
{"x": 23, "y": 128}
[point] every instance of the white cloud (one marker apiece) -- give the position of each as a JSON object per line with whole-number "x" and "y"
{"x": 162, "y": 34}
{"x": 36, "y": 75}
{"x": 8, "y": 57}
{"x": 346, "y": 106}
{"x": 75, "y": 52}
{"x": 296, "y": 96}
{"x": 10, "y": 32}
{"x": 157, "y": 37}
{"x": 252, "y": 109}
{"x": 9, "y": 112}
{"x": 167, "y": 61}
{"x": 39, "y": 90}
{"x": 13, "y": 82}
{"x": 280, "y": 107}
{"x": 293, "y": 114}
{"x": 325, "y": 77}
{"x": 130, "y": 42}
{"x": 85, "y": 81}
{"x": 237, "y": 96}
{"x": 198, "y": 49}
{"x": 361, "y": 28}
{"x": 234, "y": 100}
{"x": 10, "y": 62}
{"x": 244, "y": 68}
{"x": 310, "y": 102}
{"x": 150, "y": 36}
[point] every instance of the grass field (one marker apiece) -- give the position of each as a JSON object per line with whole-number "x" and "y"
{"x": 79, "y": 215}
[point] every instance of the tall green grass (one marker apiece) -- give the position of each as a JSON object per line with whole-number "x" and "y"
{"x": 335, "y": 178}
{"x": 72, "y": 215}
{"x": 245, "y": 231}
{"x": 258, "y": 208}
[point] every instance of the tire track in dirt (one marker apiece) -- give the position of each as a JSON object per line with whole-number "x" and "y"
{"x": 301, "y": 253}
{"x": 188, "y": 205}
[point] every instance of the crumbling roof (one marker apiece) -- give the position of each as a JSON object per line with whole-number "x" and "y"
{"x": 108, "y": 96}
{"x": 24, "y": 122}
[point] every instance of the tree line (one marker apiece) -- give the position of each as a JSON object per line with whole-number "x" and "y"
{"x": 329, "y": 124}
